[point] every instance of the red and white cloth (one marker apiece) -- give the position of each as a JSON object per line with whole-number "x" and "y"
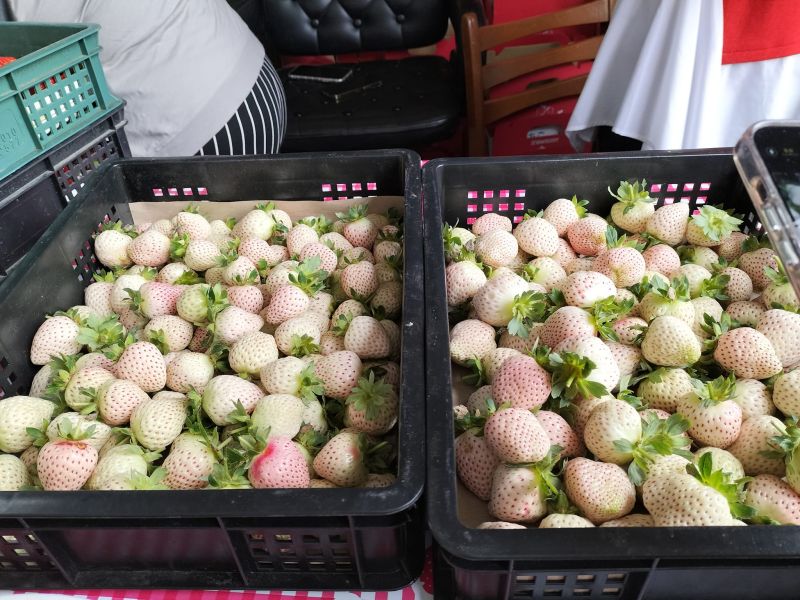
{"x": 692, "y": 74}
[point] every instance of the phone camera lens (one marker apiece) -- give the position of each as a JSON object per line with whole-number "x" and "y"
{"x": 772, "y": 152}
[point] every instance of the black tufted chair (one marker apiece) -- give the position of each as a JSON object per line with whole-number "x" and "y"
{"x": 420, "y": 99}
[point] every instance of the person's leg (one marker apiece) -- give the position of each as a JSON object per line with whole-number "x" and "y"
{"x": 258, "y": 126}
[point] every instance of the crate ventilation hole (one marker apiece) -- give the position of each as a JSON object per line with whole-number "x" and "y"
{"x": 329, "y": 552}
{"x": 21, "y": 552}
{"x": 348, "y": 191}
{"x": 610, "y": 585}
{"x": 8, "y": 379}
{"x": 58, "y": 101}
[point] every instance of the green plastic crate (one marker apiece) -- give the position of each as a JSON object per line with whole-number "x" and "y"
{"x": 54, "y": 88}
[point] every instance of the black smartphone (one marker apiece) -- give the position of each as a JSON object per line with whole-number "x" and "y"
{"x": 768, "y": 159}
{"x": 321, "y": 73}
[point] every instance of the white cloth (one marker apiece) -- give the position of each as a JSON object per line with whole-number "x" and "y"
{"x": 182, "y": 66}
{"x": 659, "y": 78}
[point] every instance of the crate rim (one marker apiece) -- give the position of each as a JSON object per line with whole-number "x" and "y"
{"x": 82, "y": 30}
{"x": 273, "y": 503}
{"x": 627, "y": 546}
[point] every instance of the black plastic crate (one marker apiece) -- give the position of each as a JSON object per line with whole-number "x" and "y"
{"x": 33, "y": 196}
{"x": 624, "y": 563}
{"x": 284, "y": 539}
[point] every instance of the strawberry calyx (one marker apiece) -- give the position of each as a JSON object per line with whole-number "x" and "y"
{"x": 154, "y": 481}
{"x": 632, "y": 194}
{"x": 178, "y": 245}
{"x": 715, "y": 287}
{"x": 606, "y": 312}
{"x": 716, "y": 391}
{"x": 477, "y": 375}
{"x": 785, "y": 443}
{"x": 103, "y": 276}
{"x": 62, "y": 367}
{"x": 715, "y": 329}
{"x": 118, "y": 226}
{"x": 342, "y": 323}
{"x": 353, "y": 214}
{"x": 570, "y": 373}
{"x": 370, "y": 395}
{"x": 615, "y": 240}
{"x": 230, "y": 222}
{"x": 39, "y": 436}
{"x": 303, "y": 346}
{"x": 104, "y": 335}
{"x": 733, "y": 491}
{"x": 308, "y": 277}
{"x": 192, "y": 208}
{"x": 527, "y": 308}
{"x": 252, "y": 278}
{"x": 580, "y": 205}
{"x": 660, "y": 437}
{"x": 67, "y": 431}
{"x": 777, "y": 276}
{"x": 560, "y": 505}
{"x": 715, "y": 223}
{"x": 231, "y": 473}
{"x": 548, "y": 481}
{"x": 91, "y": 400}
{"x": 311, "y": 387}
{"x": 159, "y": 340}
{"x": 473, "y": 422}
{"x": 755, "y": 242}
{"x": 648, "y": 284}
{"x": 188, "y": 278}
{"x": 319, "y": 224}
{"x": 209, "y": 435}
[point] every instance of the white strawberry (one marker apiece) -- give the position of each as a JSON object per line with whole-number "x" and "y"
{"x": 17, "y": 415}
{"x": 157, "y": 421}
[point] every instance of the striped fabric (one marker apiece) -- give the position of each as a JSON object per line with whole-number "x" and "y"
{"x": 259, "y": 125}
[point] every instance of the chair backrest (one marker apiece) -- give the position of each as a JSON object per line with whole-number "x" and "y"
{"x": 482, "y": 111}
{"x": 310, "y": 27}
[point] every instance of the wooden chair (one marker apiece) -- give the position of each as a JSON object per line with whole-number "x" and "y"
{"x": 480, "y": 79}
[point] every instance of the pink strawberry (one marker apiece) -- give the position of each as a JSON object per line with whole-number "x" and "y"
{"x": 537, "y": 237}
{"x": 747, "y": 353}
{"x": 255, "y": 249}
{"x": 522, "y": 383}
{"x": 584, "y": 407}
{"x": 359, "y": 280}
{"x": 349, "y": 308}
{"x": 583, "y": 289}
{"x": 662, "y": 259}
{"x": 327, "y": 257}
{"x": 367, "y": 338}
{"x": 288, "y": 301}
{"x": 773, "y": 498}
{"x": 520, "y": 493}
{"x": 190, "y": 223}
{"x": 233, "y": 323}
{"x": 631, "y": 520}
{"x": 566, "y": 322}
{"x": 668, "y": 223}
{"x": 491, "y": 222}
{"x": 282, "y": 464}
{"x": 330, "y": 342}
{"x": 557, "y": 520}
{"x": 359, "y": 230}
{"x": 610, "y": 422}
{"x": 387, "y": 300}
{"x": 155, "y": 299}
{"x": 241, "y": 270}
{"x": 739, "y": 287}
{"x": 561, "y": 434}
{"x": 67, "y": 463}
{"x": 564, "y": 254}
{"x": 516, "y": 436}
{"x": 341, "y": 460}
{"x": 387, "y": 250}
{"x": 731, "y": 247}
{"x": 355, "y": 255}
{"x": 746, "y": 313}
{"x": 563, "y": 212}
{"x": 629, "y": 329}
{"x": 57, "y": 335}
{"x": 188, "y": 371}
{"x": 715, "y": 419}
{"x": 496, "y": 248}
{"x": 339, "y": 373}
{"x": 143, "y": 364}
{"x": 601, "y": 491}
{"x": 98, "y": 297}
{"x": 189, "y": 463}
{"x": 754, "y": 445}
{"x": 475, "y": 463}
{"x": 246, "y": 297}
{"x": 150, "y": 249}
{"x": 371, "y": 407}
{"x": 588, "y": 236}
{"x": 623, "y": 265}
{"x": 222, "y": 394}
{"x": 754, "y": 263}
{"x": 577, "y": 265}
{"x": 463, "y": 280}
{"x": 494, "y": 359}
{"x": 116, "y": 400}
{"x": 335, "y": 241}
